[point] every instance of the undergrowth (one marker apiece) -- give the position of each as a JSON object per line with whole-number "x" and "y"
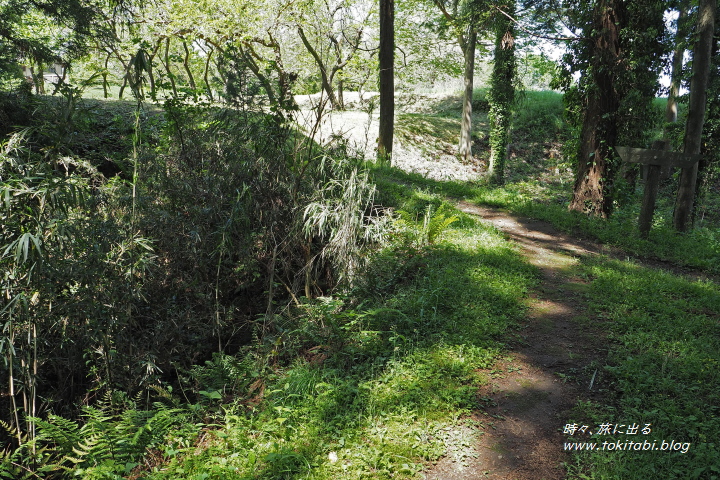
{"x": 374, "y": 378}
{"x": 256, "y": 312}
{"x": 662, "y": 371}
{"x": 264, "y": 307}
{"x": 356, "y": 386}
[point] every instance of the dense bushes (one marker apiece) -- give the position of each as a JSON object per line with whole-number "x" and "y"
{"x": 218, "y": 220}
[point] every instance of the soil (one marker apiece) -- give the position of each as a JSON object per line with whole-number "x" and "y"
{"x": 555, "y": 361}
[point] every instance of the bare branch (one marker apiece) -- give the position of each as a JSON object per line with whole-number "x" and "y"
{"x": 516, "y": 22}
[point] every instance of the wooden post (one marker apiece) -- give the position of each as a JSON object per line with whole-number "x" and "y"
{"x": 655, "y": 159}
{"x": 652, "y": 184}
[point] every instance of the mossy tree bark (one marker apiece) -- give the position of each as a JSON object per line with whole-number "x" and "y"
{"x": 619, "y": 58}
{"x": 596, "y": 167}
{"x": 502, "y": 93}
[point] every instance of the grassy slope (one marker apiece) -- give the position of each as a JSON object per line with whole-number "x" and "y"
{"x": 369, "y": 385}
{"x": 375, "y": 388}
{"x": 539, "y": 184}
{"x": 403, "y": 369}
{"x": 664, "y": 329}
{"x": 662, "y": 370}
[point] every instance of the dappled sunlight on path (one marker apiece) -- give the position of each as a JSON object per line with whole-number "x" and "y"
{"x": 551, "y": 364}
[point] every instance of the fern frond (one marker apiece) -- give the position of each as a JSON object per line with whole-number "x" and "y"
{"x": 91, "y": 450}
{"x": 12, "y": 431}
{"x": 164, "y": 395}
{"x": 63, "y": 432}
{"x": 435, "y": 223}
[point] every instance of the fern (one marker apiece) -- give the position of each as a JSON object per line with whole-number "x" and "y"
{"x": 102, "y": 447}
{"x": 62, "y": 432}
{"x": 436, "y": 223}
{"x": 28, "y": 460}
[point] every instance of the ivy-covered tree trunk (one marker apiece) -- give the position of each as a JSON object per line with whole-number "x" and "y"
{"x": 502, "y": 94}
{"x": 702, "y": 60}
{"x": 598, "y": 135}
{"x": 709, "y": 165}
{"x": 620, "y": 60}
{"x": 468, "y": 46}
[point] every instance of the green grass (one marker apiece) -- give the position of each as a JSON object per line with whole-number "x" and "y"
{"x": 369, "y": 383}
{"x": 378, "y": 376}
{"x": 430, "y": 134}
{"x": 539, "y": 185}
{"x": 662, "y": 370}
{"x": 698, "y": 249}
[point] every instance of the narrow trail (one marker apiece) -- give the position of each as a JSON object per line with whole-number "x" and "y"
{"x": 553, "y": 362}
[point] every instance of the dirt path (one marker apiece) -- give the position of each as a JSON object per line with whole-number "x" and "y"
{"x": 553, "y": 363}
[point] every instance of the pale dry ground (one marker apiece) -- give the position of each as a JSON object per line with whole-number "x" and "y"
{"x": 359, "y": 125}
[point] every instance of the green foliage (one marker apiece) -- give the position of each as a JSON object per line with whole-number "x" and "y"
{"x": 338, "y": 213}
{"x": 662, "y": 367}
{"x": 42, "y": 33}
{"x": 15, "y": 108}
{"x": 108, "y": 444}
{"x": 69, "y": 274}
{"x": 364, "y": 386}
{"x": 435, "y": 221}
{"x": 619, "y": 58}
{"x": 120, "y": 284}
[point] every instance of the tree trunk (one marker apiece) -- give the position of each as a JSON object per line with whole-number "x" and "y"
{"x": 205, "y": 73}
{"x": 186, "y": 66}
{"x": 595, "y": 169}
{"x": 324, "y": 78}
{"x": 501, "y": 96}
{"x": 38, "y": 79}
{"x": 249, "y": 55}
{"x": 465, "y": 147}
{"x": 104, "y": 77}
{"x": 171, "y": 77}
{"x": 677, "y": 63}
{"x": 340, "y": 90}
{"x": 151, "y": 72}
{"x": 696, "y": 112}
{"x": 387, "y": 80}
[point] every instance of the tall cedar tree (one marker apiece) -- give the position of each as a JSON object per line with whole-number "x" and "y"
{"x": 620, "y": 57}
{"x": 702, "y": 60}
{"x": 387, "y": 80}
